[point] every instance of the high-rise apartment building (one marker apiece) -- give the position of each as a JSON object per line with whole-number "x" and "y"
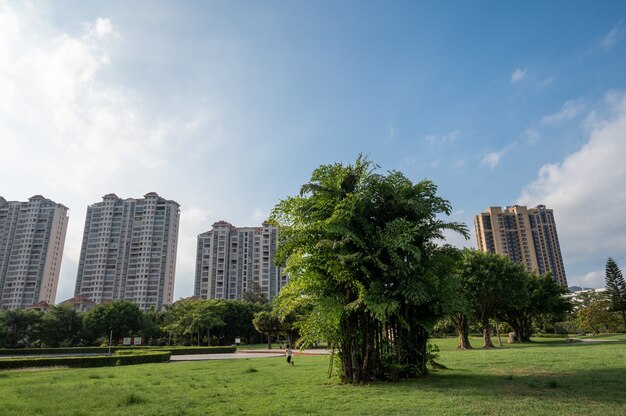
{"x": 231, "y": 261}
{"x": 526, "y": 235}
{"x": 129, "y": 251}
{"x": 32, "y": 236}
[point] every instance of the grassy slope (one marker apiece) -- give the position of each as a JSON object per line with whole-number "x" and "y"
{"x": 544, "y": 378}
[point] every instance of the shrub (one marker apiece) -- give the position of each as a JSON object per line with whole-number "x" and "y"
{"x": 104, "y": 350}
{"x": 90, "y": 361}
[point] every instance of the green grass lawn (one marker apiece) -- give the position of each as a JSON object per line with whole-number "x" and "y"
{"x": 546, "y": 377}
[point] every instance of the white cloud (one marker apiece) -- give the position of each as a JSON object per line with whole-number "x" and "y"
{"x": 518, "y": 75}
{"x": 441, "y": 139}
{"x": 492, "y": 159}
{"x": 568, "y": 111}
{"x": 615, "y": 35}
{"x": 595, "y": 279}
{"x": 587, "y": 192}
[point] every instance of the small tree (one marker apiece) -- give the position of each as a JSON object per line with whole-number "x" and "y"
{"x": 267, "y": 322}
{"x": 616, "y": 288}
{"x": 594, "y": 314}
{"x": 489, "y": 281}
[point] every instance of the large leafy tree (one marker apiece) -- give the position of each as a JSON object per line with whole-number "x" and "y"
{"x": 237, "y": 316}
{"x": 616, "y": 288}
{"x": 544, "y": 298}
{"x": 188, "y": 319}
{"x": 20, "y": 326}
{"x": 489, "y": 281}
{"x": 61, "y": 325}
{"x": 360, "y": 249}
{"x": 122, "y": 317}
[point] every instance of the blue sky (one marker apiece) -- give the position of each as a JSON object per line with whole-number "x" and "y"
{"x": 226, "y": 107}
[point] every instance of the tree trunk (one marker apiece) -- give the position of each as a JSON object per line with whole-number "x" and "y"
{"x": 498, "y": 333}
{"x": 462, "y": 332}
{"x": 487, "y": 343}
{"x": 269, "y": 341}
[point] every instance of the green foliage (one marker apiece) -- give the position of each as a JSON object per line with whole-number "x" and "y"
{"x": 60, "y": 325}
{"x": 616, "y": 288}
{"x": 594, "y": 314}
{"x": 122, "y": 317}
{"x": 152, "y": 321}
{"x": 267, "y": 322}
{"x": 256, "y": 295}
{"x": 188, "y": 318}
{"x": 90, "y": 361}
{"x": 544, "y": 303}
{"x": 491, "y": 281}
{"x": 360, "y": 249}
{"x": 19, "y": 326}
{"x": 175, "y": 350}
{"x": 237, "y": 316}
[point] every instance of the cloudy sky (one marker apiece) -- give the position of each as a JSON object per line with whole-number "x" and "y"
{"x": 227, "y": 106}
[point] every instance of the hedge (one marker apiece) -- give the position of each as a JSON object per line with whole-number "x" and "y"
{"x": 89, "y": 361}
{"x": 101, "y": 350}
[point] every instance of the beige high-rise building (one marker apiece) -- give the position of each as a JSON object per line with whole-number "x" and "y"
{"x": 129, "y": 251}
{"x": 526, "y": 235}
{"x": 32, "y": 236}
{"x": 231, "y": 261}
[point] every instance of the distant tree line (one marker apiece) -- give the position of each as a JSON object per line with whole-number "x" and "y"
{"x": 186, "y": 322}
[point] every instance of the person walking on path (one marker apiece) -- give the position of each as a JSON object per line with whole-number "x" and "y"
{"x": 288, "y": 354}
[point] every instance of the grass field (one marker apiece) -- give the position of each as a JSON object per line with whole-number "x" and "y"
{"x": 548, "y": 377}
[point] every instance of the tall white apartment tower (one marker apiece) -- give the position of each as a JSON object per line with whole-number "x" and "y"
{"x": 32, "y": 236}
{"x": 231, "y": 261}
{"x": 129, "y": 251}
{"x": 526, "y": 235}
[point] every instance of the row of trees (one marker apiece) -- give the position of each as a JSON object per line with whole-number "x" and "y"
{"x": 186, "y": 322}
{"x": 492, "y": 288}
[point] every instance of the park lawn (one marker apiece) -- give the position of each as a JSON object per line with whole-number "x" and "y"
{"x": 546, "y": 377}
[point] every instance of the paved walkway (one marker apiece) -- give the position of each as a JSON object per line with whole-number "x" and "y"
{"x": 245, "y": 354}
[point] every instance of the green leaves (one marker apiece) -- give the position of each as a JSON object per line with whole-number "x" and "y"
{"x": 359, "y": 248}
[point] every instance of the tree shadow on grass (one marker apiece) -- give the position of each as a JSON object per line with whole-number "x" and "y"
{"x": 557, "y": 344}
{"x": 599, "y": 385}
